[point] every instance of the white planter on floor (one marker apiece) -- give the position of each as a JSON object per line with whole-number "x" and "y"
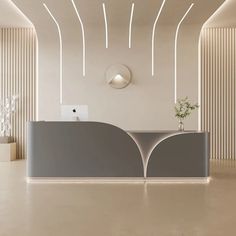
{"x": 7, "y": 151}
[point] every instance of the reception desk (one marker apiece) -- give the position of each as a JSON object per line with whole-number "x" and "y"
{"x": 99, "y": 151}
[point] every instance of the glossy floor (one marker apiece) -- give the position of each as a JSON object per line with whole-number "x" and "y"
{"x": 117, "y": 209}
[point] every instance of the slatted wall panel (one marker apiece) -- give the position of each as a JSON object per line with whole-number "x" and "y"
{"x": 18, "y": 77}
{"x": 218, "y": 73}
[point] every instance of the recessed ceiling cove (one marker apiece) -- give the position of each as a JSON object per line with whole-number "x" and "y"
{"x": 11, "y": 16}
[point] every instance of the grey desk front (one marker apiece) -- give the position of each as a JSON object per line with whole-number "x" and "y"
{"x": 173, "y": 153}
{"x": 99, "y": 150}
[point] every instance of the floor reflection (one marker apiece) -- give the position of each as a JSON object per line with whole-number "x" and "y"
{"x": 117, "y": 209}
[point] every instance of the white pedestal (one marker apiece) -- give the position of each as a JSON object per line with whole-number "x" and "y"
{"x": 7, "y": 151}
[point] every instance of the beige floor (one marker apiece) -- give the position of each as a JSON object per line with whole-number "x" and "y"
{"x": 117, "y": 209}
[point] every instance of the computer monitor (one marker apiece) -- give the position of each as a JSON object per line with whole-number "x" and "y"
{"x": 74, "y": 112}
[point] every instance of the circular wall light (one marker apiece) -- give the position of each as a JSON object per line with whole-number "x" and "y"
{"x": 118, "y": 76}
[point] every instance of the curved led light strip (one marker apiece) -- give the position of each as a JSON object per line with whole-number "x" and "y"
{"x": 130, "y": 24}
{"x": 60, "y": 39}
{"x": 83, "y": 36}
{"x": 105, "y": 21}
{"x": 199, "y": 84}
{"x": 153, "y": 33}
{"x": 176, "y": 41}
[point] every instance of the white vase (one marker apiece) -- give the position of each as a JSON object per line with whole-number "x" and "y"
{"x": 181, "y": 126}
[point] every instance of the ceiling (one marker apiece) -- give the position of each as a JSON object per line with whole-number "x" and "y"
{"x": 10, "y": 16}
{"x": 118, "y": 11}
{"x": 225, "y": 16}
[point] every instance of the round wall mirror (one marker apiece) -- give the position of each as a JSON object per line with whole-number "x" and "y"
{"x": 118, "y": 76}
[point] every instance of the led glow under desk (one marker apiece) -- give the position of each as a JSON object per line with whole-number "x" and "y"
{"x": 93, "y": 151}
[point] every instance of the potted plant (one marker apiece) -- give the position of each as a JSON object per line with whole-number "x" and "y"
{"x": 7, "y": 108}
{"x": 183, "y": 109}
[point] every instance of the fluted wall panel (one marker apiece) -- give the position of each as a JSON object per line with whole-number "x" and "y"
{"x": 218, "y": 113}
{"x": 18, "y": 77}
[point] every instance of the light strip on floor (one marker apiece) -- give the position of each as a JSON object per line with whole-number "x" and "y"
{"x": 105, "y": 21}
{"x": 176, "y": 42}
{"x": 83, "y": 35}
{"x": 119, "y": 180}
{"x": 153, "y": 34}
{"x": 60, "y": 39}
{"x": 85, "y": 180}
{"x": 130, "y": 24}
{"x": 178, "y": 180}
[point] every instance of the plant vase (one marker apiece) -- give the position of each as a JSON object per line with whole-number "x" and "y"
{"x": 181, "y": 125}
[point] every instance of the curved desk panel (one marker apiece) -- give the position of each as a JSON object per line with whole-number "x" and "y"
{"x": 147, "y": 141}
{"x": 81, "y": 149}
{"x": 183, "y": 154}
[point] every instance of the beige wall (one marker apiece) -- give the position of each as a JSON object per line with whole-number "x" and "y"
{"x": 218, "y": 53}
{"x": 148, "y": 102}
{"x": 18, "y": 77}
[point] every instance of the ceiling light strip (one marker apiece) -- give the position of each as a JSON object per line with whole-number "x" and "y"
{"x": 83, "y": 35}
{"x": 130, "y": 24}
{"x": 60, "y": 41}
{"x": 176, "y": 42}
{"x": 105, "y": 21}
{"x": 153, "y": 33}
